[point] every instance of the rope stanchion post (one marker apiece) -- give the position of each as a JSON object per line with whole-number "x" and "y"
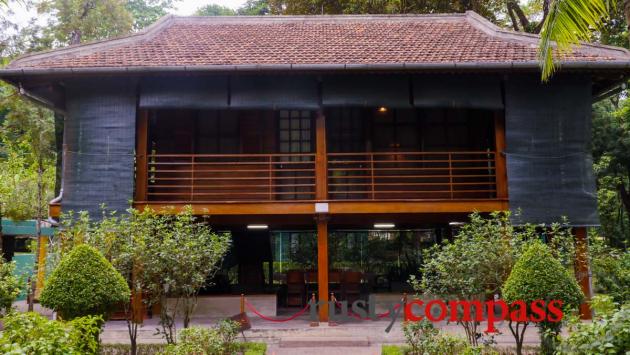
{"x": 404, "y": 305}
{"x": 332, "y": 323}
{"x": 314, "y": 304}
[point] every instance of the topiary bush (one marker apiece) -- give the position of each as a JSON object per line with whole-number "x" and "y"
{"x": 30, "y": 333}
{"x": 537, "y": 275}
{"x": 84, "y": 283}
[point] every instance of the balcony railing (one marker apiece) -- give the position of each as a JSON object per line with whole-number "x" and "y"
{"x": 230, "y": 177}
{"x": 412, "y": 175}
{"x": 291, "y": 177}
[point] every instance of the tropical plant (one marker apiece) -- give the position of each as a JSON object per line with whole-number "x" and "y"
{"x": 31, "y": 333}
{"x": 611, "y": 271}
{"x": 84, "y": 283}
{"x": 568, "y": 23}
{"x": 538, "y": 276}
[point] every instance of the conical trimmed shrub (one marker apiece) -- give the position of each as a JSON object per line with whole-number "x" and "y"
{"x": 84, "y": 283}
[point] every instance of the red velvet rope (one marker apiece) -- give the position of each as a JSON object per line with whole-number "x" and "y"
{"x": 251, "y": 308}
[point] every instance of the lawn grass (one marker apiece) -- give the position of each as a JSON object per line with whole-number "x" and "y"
{"x": 247, "y": 348}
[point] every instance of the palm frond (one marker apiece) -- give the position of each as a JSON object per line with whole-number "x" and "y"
{"x": 568, "y": 23}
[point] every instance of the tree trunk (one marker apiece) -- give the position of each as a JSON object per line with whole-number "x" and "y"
{"x": 38, "y": 231}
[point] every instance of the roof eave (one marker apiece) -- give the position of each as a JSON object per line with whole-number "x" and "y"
{"x": 456, "y": 66}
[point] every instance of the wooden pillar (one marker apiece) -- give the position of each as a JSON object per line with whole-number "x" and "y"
{"x": 142, "y": 131}
{"x": 321, "y": 159}
{"x": 322, "y": 266}
{"x": 500, "y": 161}
{"x": 41, "y": 265}
{"x": 582, "y": 270}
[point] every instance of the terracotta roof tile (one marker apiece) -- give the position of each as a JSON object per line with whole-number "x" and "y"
{"x": 209, "y": 41}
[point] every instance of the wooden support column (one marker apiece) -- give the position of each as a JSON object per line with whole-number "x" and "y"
{"x": 500, "y": 161}
{"x": 582, "y": 270}
{"x": 142, "y": 131}
{"x": 322, "y": 266}
{"x": 321, "y": 159}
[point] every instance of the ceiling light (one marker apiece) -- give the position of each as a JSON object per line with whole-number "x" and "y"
{"x": 257, "y": 226}
{"x": 382, "y": 109}
{"x": 455, "y": 224}
{"x": 384, "y": 225}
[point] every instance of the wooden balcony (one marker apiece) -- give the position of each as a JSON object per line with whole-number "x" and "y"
{"x": 395, "y": 176}
{"x": 230, "y": 177}
{"x": 412, "y": 176}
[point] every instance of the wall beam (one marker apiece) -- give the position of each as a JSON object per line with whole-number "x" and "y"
{"x": 142, "y": 132}
{"x": 321, "y": 159}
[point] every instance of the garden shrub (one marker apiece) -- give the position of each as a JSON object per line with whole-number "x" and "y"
{"x": 84, "y": 283}
{"x": 423, "y": 338}
{"x": 10, "y": 285}
{"x": 609, "y": 333}
{"x": 537, "y": 275}
{"x": 611, "y": 273}
{"x": 206, "y": 341}
{"x": 30, "y": 333}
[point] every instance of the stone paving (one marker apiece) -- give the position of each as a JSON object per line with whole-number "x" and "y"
{"x": 282, "y": 337}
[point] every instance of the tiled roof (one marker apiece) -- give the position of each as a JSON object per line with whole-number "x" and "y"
{"x": 207, "y": 42}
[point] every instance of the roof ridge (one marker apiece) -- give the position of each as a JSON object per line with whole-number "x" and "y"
{"x": 490, "y": 28}
{"x": 87, "y": 47}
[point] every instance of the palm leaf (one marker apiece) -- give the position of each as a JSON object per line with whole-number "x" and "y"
{"x": 568, "y": 23}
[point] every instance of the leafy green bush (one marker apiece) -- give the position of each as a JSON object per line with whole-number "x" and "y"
{"x": 611, "y": 273}
{"x": 423, "y": 338}
{"x": 30, "y": 333}
{"x": 206, "y": 341}
{"x": 609, "y": 333}
{"x": 537, "y": 275}
{"x": 10, "y": 285}
{"x": 84, "y": 283}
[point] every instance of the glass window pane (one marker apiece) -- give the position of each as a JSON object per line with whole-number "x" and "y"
{"x": 284, "y": 114}
{"x": 306, "y": 123}
{"x": 306, "y": 147}
{"x": 295, "y": 135}
{"x": 295, "y": 147}
{"x": 295, "y": 124}
{"x": 306, "y": 135}
{"x": 284, "y": 135}
{"x": 284, "y": 123}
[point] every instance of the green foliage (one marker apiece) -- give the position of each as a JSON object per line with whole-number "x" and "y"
{"x": 609, "y": 333}
{"x": 10, "y": 285}
{"x": 30, "y": 333}
{"x": 76, "y": 21}
{"x": 423, "y": 338}
{"x": 206, "y": 341}
{"x": 177, "y": 260}
{"x": 84, "y": 283}
{"x": 214, "y": 10}
{"x": 537, "y": 275}
{"x": 568, "y": 23}
{"x": 611, "y": 272}
{"x": 26, "y": 139}
{"x": 146, "y": 12}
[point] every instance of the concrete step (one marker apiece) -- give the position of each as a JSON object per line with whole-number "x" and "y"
{"x": 321, "y": 342}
